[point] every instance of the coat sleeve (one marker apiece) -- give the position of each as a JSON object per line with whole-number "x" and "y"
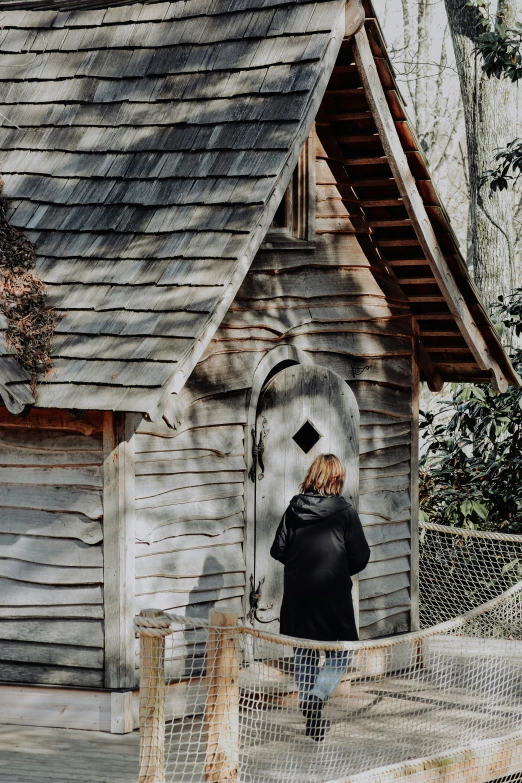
{"x": 281, "y": 540}
{"x": 357, "y": 549}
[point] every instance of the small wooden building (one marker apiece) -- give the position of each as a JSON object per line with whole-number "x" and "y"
{"x": 250, "y": 264}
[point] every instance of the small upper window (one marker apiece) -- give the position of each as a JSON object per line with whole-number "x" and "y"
{"x": 294, "y": 220}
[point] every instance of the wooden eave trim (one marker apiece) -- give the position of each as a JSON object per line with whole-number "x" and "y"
{"x": 179, "y": 378}
{"x": 415, "y": 207}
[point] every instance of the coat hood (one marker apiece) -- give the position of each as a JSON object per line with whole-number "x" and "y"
{"x": 311, "y": 507}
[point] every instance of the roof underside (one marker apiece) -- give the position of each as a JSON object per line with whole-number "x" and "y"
{"x": 373, "y": 202}
{"x": 145, "y": 148}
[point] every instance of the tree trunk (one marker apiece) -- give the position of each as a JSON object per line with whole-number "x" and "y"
{"x": 490, "y": 117}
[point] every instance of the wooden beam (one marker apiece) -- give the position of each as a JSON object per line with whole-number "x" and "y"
{"x": 360, "y": 139}
{"x": 397, "y": 242}
{"x": 421, "y": 299}
{"x": 370, "y": 161}
{"x": 409, "y": 262}
{"x": 350, "y": 115}
{"x": 440, "y": 333}
{"x": 118, "y": 548}
{"x": 389, "y": 223}
{"x": 434, "y": 317}
{"x": 447, "y": 349}
{"x": 371, "y": 183}
{"x": 416, "y": 280}
{"x": 383, "y": 202}
{"x": 477, "y": 762}
{"x": 414, "y": 204}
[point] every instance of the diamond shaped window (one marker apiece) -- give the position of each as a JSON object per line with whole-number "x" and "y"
{"x": 306, "y": 437}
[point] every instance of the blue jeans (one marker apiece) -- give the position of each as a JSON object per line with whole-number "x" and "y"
{"x": 314, "y": 681}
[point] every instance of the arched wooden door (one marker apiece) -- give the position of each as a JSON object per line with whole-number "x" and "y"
{"x": 304, "y": 410}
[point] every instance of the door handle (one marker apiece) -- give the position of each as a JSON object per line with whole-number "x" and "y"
{"x": 254, "y": 599}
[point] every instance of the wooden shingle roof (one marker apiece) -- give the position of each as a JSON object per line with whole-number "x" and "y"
{"x": 145, "y": 148}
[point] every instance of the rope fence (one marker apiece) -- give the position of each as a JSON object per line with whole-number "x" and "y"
{"x": 221, "y": 702}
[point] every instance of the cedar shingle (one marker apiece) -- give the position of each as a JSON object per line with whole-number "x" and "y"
{"x": 150, "y": 138}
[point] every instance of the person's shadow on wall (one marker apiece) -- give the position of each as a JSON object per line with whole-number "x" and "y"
{"x": 211, "y": 581}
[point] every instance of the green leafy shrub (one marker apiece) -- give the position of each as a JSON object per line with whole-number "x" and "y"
{"x": 471, "y": 469}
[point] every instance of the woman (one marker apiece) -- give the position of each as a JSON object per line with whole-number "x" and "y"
{"x": 321, "y": 543}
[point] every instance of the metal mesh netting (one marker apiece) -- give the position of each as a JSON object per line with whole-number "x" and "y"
{"x": 242, "y": 705}
{"x": 460, "y": 569}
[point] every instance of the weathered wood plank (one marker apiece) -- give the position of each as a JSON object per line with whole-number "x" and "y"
{"x": 174, "y": 584}
{"x": 371, "y": 588}
{"x": 16, "y": 593}
{"x": 207, "y": 491}
{"x": 378, "y": 369}
{"x": 326, "y": 340}
{"x": 386, "y": 531}
{"x": 53, "y": 525}
{"x": 373, "y": 616}
{"x": 190, "y": 464}
{"x": 388, "y": 550}
{"x": 119, "y": 538}
{"x": 80, "y": 500}
{"x": 91, "y": 611}
{"x": 200, "y": 511}
{"x": 51, "y": 654}
{"x": 157, "y": 436}
{"x": 166, "y": 601}
{"x": 85, "y": 633}
{"x": 389, "y": 505}
{"x": 153, "y": 487}
{"x": 212, "y": 411}
{"x": 50, "y": 575}
{"x": 395, "y": 482}
{"x": 394, "y": 457}
{"x": 382, "y": 399}
{"x": 77, "y": 475}
{"x": 43, "y": 419}
{"x": 212, "y": 527}
{"x": 48, "y": 447}
{"x": 195, "y": 562}
{"x": 397, "y": 622}
{"x": 397, "y": 598}
{"x": 330, "y": 250}
{"x": 50, "y": 675}
{"x": 396, "y": 565}
{"x": 232, "y": 536}
{"x": 50, "y": 551}
{"x": 375, "y": 521}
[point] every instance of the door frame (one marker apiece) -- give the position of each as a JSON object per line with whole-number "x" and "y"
{"x": 284, "y": 355}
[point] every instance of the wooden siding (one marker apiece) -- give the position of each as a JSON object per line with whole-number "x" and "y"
{"x": 51, "y": 556}
{"x": 348, "y": 316}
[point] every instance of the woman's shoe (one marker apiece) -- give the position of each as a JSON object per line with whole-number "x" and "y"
{"x": 316, "y": 725}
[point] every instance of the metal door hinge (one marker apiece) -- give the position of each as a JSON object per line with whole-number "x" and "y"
{"x": 258, "y": 451}
{"x": 255, "y": 598}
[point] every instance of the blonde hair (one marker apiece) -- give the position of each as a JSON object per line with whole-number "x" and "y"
{"x": 325, "y": 476}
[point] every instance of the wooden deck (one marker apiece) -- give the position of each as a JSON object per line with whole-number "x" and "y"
{"x": 35, "y": 755}
{"x": 383, "y": 722}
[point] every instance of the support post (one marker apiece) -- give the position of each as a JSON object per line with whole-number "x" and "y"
{"x": 152, "y": 704}
{"x": 118, "y": 549}
{"x": 222, "y": 711}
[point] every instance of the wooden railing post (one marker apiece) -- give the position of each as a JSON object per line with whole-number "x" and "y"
{"x": 152, "y": 704}
{"x": 222, "y": 711}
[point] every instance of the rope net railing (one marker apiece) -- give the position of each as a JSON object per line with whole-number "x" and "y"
{"x": 460, "y": 569}
{"x": 221, "y": 702}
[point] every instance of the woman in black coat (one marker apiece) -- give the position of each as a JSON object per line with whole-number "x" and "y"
{"x": 321, "y": 543}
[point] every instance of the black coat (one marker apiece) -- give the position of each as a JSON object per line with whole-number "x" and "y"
{"x": 321, "y": 543}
